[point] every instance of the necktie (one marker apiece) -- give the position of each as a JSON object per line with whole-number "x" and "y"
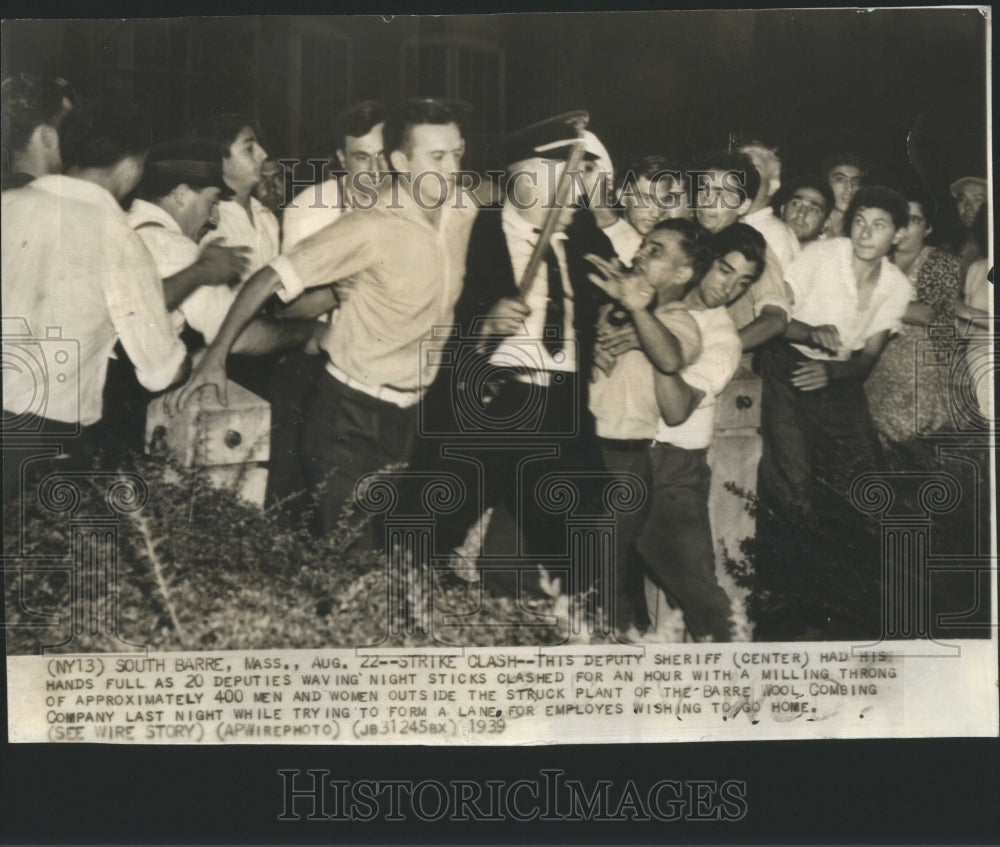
{"x": 555, "y": 306}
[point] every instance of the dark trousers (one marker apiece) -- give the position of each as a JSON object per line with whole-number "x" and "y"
{"x": 630, "y": 596}
{"x": 345, "y": 435}
{"x": 33, "y": 447}
{"x": 676, "y": 540}
{"x": 821, "y": 437}
{"x": 292, "y": 382}
{"x": 526, "y": 433}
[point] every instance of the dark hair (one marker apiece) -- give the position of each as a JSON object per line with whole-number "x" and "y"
{"x": 28, "y": 101}
{"x": 195, "y": 163}
{"x": 878, "y": 197}
{"x": 413, "y": 112}
{"x": 917, "y": 194}
{"x": 638, "y": 167}
{"x": 740, "y": 163}
{"x": 694, "y": 242}
{"x": 223, "y": 128}
{"x": 743, "y": 239}
{"x": 357, "y": 120}
{"x": 831, "y": 161}
{"x": 101, "y": 132}
{"x": 813, "y": 181}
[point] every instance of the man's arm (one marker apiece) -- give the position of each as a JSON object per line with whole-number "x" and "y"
{"x": 311, "y": 304}
{"x": 661, "y": 346}
{"x": 814, "y": 375}
{"x": 336, "y": 252}
{"x": 770, "y": 323}
{"x": 217, "y": 265}
{"x": 677, "y": 400}
{"x": 211, "y": 370}
{"x": 826, "y": 337}
{"x": 268, "y": 336}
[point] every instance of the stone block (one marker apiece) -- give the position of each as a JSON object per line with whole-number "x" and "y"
{"x": 229, "y": 442}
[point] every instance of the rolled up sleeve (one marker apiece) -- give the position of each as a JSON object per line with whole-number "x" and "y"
{"x": 336, "y": 252}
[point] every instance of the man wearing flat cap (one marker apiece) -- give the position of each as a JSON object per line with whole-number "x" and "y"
{"x": 178, "y": 200}
{"x": 530, "y": 337}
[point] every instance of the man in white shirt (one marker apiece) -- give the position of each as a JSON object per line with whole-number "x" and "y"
{"x": 181, "y": 182}
{"x": 726, "y": 189}
{"x": 676, "y": 540}
{"x": 245, "y": 222}
{"x": 848, "y": 300}
{"x": 74, "y": 269}
{"x": 804, "y": 204}
{"x": 358, "y": 136}
{"x": 623, "y": 400}
{"x": 178, "y": 198}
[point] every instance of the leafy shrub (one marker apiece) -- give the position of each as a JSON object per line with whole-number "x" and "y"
{"x": 200, "y": 569}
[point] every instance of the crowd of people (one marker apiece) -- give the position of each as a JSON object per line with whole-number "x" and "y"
{"x": 597, "y": 310}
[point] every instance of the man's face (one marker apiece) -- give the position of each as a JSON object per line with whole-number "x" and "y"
{"x": 662, "y": 261}
{"x": 198, "y": 211}
{"x": 434, "y": 155}
{"x": 532, "y": 186}
{"x": 805, "y": 212}
{"x": 916, "y": 231}
{"x": 727, "y": 279}
{"x": 271, "y": 188}
{"x": 242, "y": 167}
{"x": 363, "y": 155}
{"x": 969, "y": 201}
{"x": 644, "y": 203}
{"x": 873, "y": 234}
{"x": 721, "y": 200}
{"x": 845, "y": 180}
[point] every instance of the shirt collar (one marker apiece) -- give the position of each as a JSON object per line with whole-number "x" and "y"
{"x": 77, "y": 189}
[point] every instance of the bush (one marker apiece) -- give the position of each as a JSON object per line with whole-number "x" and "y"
{"x": 200, "y": 569}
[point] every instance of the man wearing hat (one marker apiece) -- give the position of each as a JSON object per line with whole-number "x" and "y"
{"x": 178, "y": 200}
{"x": 179, "y": 203}
{"x": 534, "y": 333}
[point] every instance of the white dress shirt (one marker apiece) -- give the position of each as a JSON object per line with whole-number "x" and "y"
{"x": 524, "y": 349}
{"x": 205, "y": 309}
{"x": 710, "y": 372}
{"x": 825, "y": 291}
{"x": 779, "y": 236}
{"x": 170, "y": 248}
{"x": 72, "y": 266}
